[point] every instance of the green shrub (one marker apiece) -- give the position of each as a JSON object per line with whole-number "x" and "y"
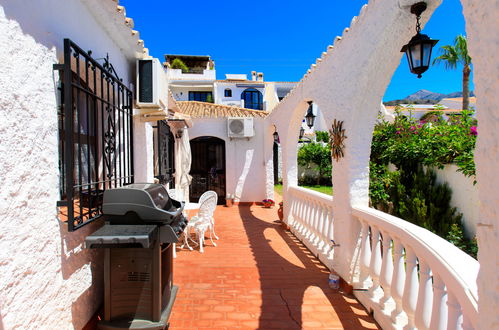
{"x": 318, "y": 157}
{"x": 179, "y": 64}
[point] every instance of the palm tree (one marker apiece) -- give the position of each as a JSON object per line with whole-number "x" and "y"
{"x": 451, "y": 56}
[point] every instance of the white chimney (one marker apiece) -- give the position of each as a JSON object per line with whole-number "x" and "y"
{"x": 260, "y": 76}
{"x": 253, "y": 75}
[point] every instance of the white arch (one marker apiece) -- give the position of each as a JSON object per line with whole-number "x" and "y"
{"x": 349, "y": 81}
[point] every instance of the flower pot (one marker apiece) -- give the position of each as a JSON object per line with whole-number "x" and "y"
{"x": 280, "y": 212}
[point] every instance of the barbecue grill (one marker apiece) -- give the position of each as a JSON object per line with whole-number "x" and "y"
{"x": 142, "y": 222}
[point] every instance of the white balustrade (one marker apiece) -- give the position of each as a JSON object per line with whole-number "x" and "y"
{"x": 409, "y": 277}
{"x": 398, "y": 280}
{"x": 410, "y": 297}
{"x": 375, "y": 268}
{"x": 433, "y": 285}
{"x": 386, "y": 270}
{"x": 425, "y": 296}
{"x": 311, "y": 220}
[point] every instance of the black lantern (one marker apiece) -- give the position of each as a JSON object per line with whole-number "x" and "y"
{"x": 418, "y": 50}
{"x": 302, "y": 132}
{"x": 276, "y": 137}
{"x": 310, "y": 117}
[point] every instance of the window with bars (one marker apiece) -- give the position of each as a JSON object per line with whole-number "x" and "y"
{"x": 95, "y": 135}
{"x": 164, "y": 153}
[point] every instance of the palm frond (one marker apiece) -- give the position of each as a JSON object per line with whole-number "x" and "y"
{"x": 449, "y": 57}
{"x": 461, "y": 45}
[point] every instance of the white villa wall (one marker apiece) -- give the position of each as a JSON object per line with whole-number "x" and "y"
{"x": 181, "y": 93}
{"x": 245, "y": 163}
{"x": 219, "y": 88}
{"x": 464, "y": 195}
{"x": 47, "y": 279}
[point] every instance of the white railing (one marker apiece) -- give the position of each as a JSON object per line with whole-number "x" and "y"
{"x": 311, "y": 220}
{"x": 425, "y": 283}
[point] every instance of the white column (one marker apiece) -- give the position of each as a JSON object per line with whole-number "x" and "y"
{"x": 398, "y": 280}
{"x": 454, "y": 317}
{"x": 386, "y": 269}
{"x": 365, "y": 256}
{"x": 439, "y": 306}
{"x": 425, "y": 297}
{"x": 375, "y": 263}
{"x": 411, "y": 287}
{"x": 143, "y": 152}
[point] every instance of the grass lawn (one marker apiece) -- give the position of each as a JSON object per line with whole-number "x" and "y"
{"x": 322, "y": 189}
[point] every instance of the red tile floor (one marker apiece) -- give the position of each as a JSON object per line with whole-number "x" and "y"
{"x": 259, "y": 276}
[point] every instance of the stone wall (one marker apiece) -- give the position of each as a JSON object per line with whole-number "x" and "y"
{"x": 47, "y": 279}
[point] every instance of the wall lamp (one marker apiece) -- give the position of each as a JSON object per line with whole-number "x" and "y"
{"x": 310, "y": 117}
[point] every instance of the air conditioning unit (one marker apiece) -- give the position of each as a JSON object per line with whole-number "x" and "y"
{"x": 149, "y": 81}
{"x": 240, "y": 127}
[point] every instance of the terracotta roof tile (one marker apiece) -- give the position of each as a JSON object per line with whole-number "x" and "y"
{"x": 197, "y": 109}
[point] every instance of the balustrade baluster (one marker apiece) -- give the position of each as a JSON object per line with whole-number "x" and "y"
{"x": 365, "y": 255}
{"x": 375, "y": 263}
{"x": 313, "y": 220}
{"x": 425, "y": 297}
{"x": 466, "y": 322}
{"x": 329, "y": 229}
{"x": 323, "y": 229}
{"x": 307, "y": 219}
{"x": 319, "y": 226}
{"x": 410, "y": 297}
{"x": 454, "y": 316}
{"x": 386, "y": 270}
{"x": 439, "y": 306}
{"x": 398, "y": 280}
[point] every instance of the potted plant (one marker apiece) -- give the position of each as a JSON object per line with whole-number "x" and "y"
{"x": 280, "y": 211}
{"x": 268, "y": 203}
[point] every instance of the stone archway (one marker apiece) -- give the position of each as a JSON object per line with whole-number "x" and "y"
{"x": 349, "y": 81}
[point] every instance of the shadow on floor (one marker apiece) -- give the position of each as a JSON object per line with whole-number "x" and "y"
{"x": 290, "y": 273}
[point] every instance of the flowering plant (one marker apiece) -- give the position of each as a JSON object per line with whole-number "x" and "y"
{"x": 268, "y": 201}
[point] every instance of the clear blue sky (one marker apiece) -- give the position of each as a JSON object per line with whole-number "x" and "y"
{"x": 280, "y": 39}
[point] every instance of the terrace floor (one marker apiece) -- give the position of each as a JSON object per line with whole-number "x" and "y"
{"x": 258, "y": 277}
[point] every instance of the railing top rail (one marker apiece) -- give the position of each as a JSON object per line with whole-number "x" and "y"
{"x": 457, "y": 269}
{"x": 311, "y": 193}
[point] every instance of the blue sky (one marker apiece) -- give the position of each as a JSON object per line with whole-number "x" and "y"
{"x": 280, "y": 39}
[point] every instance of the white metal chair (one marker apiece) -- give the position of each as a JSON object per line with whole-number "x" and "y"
{"x": 203, "y": 221}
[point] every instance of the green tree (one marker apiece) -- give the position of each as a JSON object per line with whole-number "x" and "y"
{"x": 179, "y": 64}
{"x": 451, "y": 56}
{"x": 317, "y": 155}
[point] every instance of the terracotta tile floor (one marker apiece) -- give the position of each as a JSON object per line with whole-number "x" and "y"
{"x": 258, "y": 277}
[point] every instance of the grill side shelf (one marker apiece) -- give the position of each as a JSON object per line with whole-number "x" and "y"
{"x": 122, "y": 236}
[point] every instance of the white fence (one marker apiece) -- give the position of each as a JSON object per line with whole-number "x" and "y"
{"x": 424, "y": 283}
{"x": 311, "y": 220}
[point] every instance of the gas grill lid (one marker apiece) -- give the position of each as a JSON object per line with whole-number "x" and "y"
{"x": 148, "y": 202}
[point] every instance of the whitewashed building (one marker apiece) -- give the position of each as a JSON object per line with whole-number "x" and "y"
{"x": 49, "y": 281}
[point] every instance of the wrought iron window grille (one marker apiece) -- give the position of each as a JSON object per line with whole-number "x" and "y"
{"x": 164, "y": 153}
{"x": 95, "y": 135}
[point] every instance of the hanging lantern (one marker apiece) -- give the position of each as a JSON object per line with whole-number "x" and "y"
{"x": 310, "y": 117}
{"x": 276, "y": 137}
{"x": 418, "y": 50}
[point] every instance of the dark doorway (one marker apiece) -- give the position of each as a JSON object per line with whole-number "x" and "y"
{"x": 208, "y": 167}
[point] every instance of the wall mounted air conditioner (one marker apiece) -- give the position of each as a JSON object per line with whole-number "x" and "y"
{"x": 240, "y": 127}
{"x": 149, "y": 81}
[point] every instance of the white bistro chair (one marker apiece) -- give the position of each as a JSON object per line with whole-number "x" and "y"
{"x": 203, "y": 221}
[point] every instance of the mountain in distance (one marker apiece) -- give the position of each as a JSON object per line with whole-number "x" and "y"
{"x": 424, "y": 96}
